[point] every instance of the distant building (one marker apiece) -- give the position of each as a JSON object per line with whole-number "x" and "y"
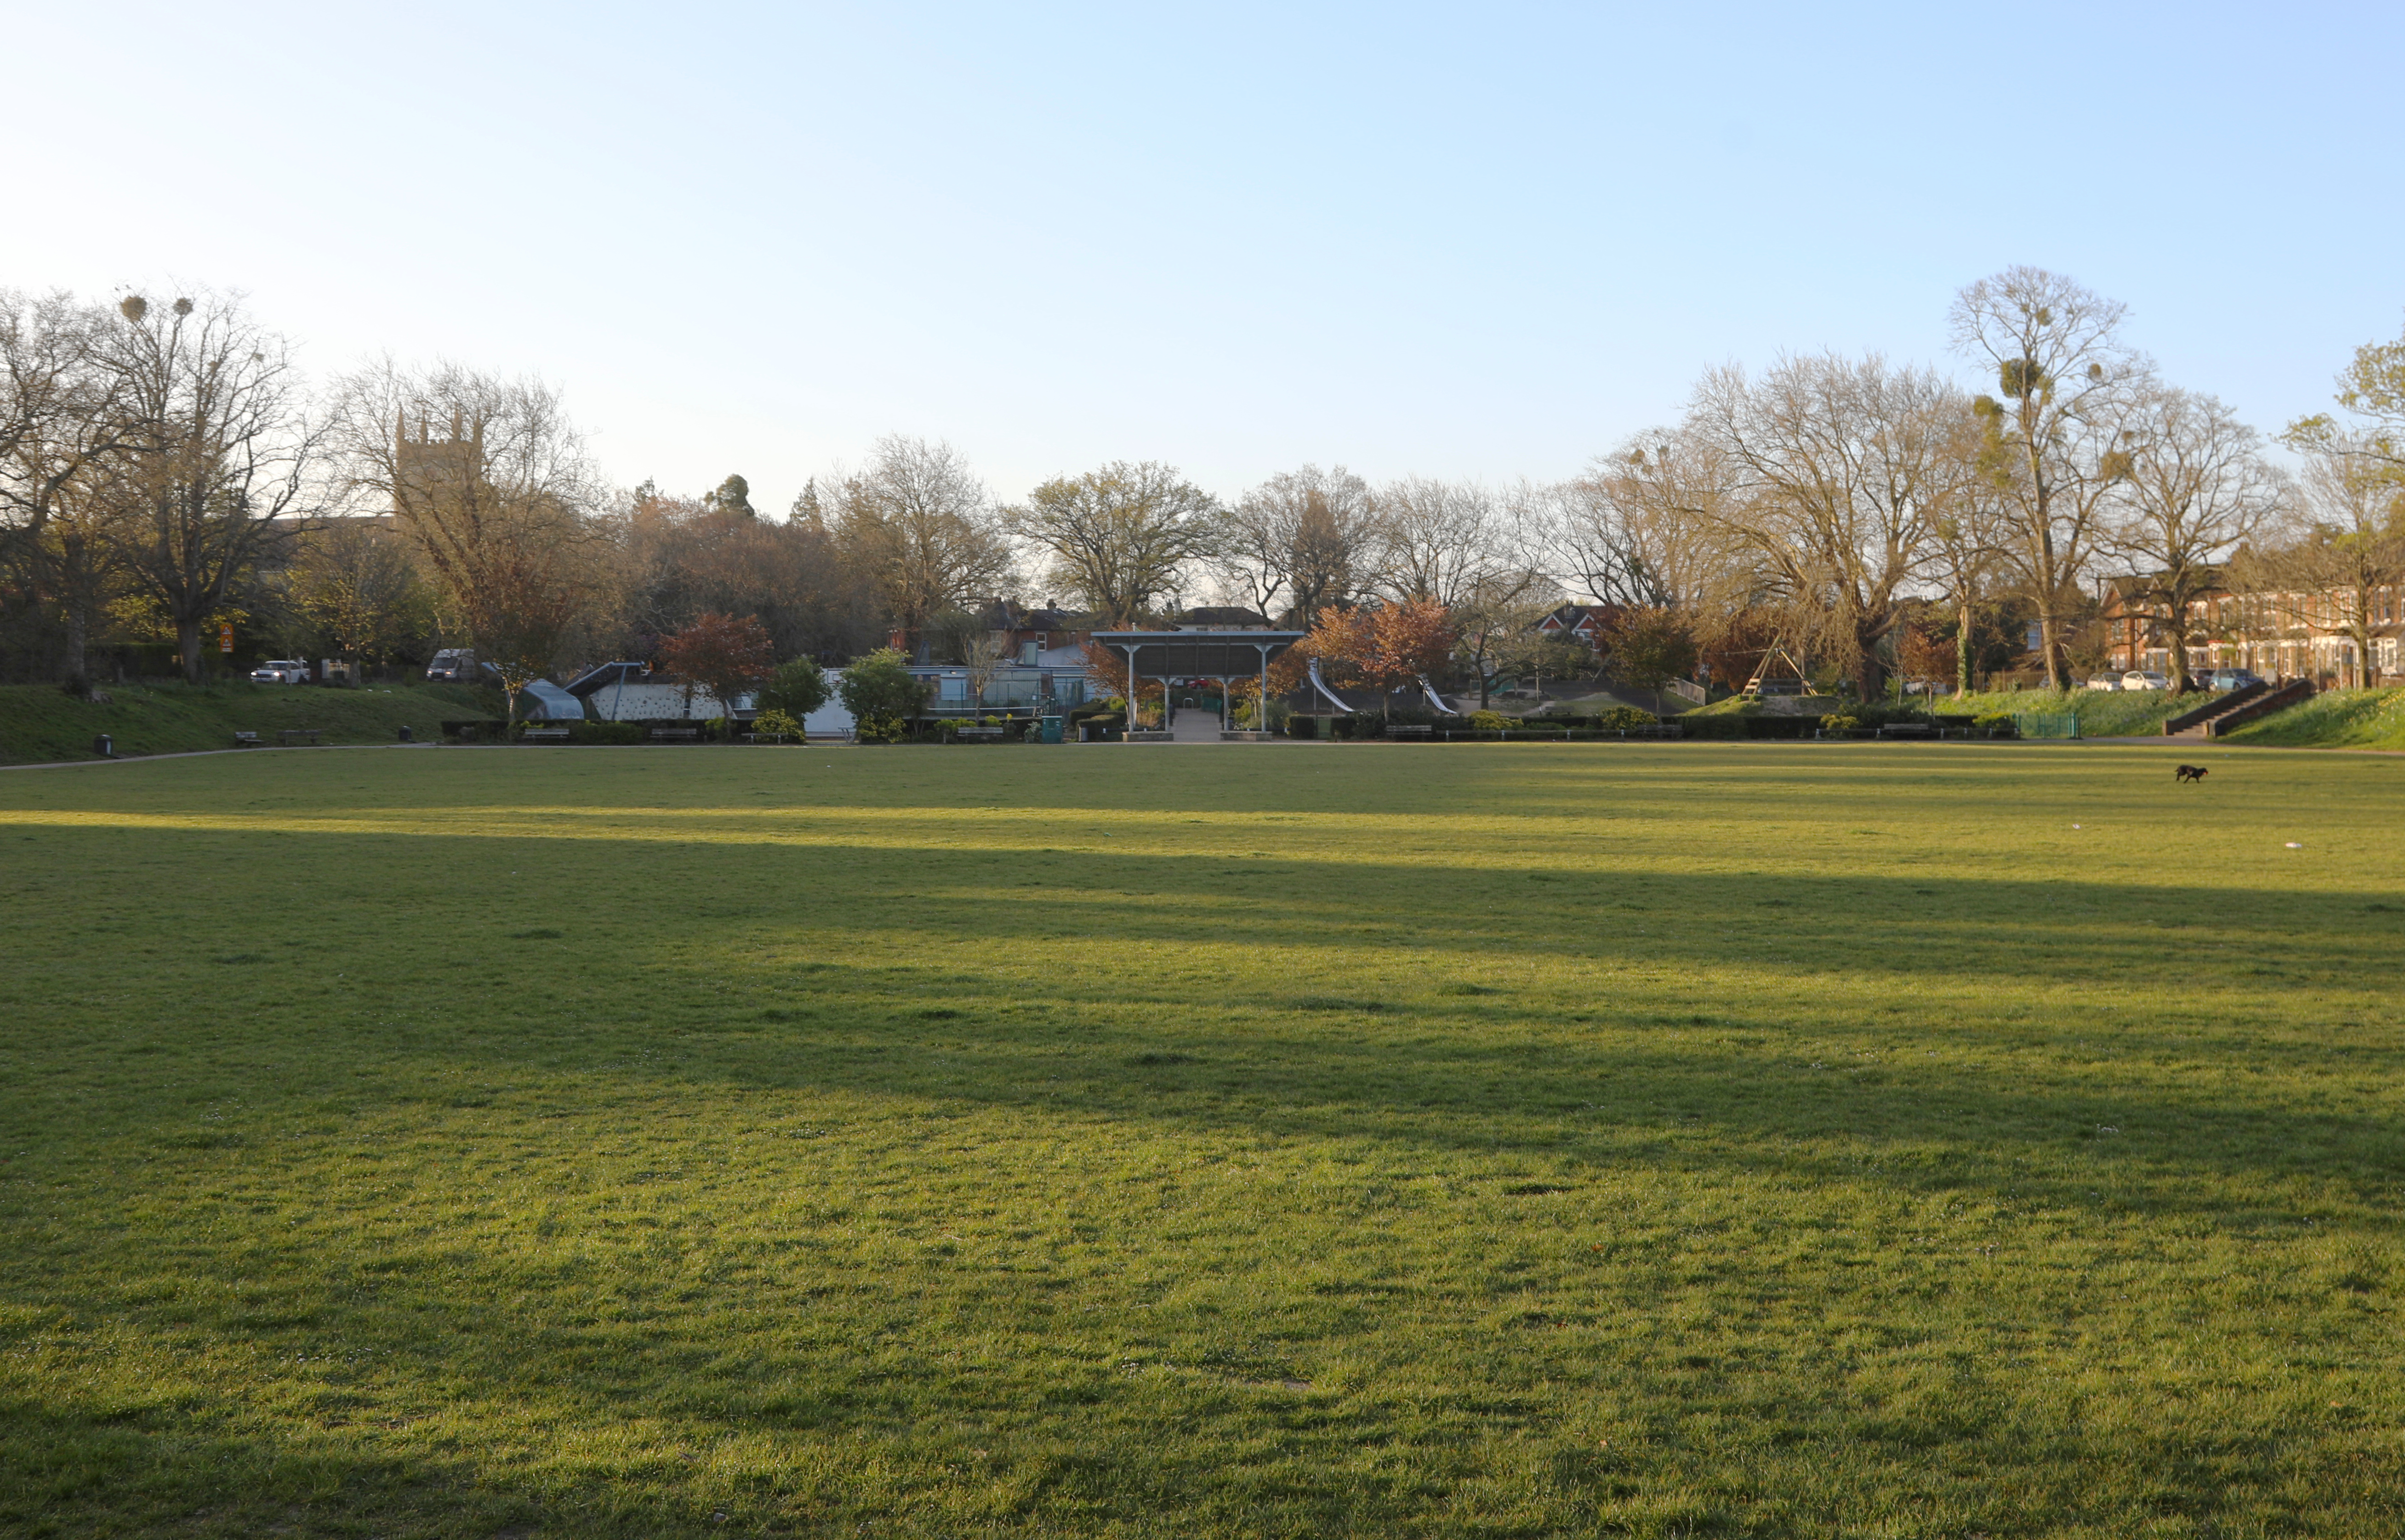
{"x": 628, "y": 691}
{"x": 1585, "y": 623}
{"x": 425, "y": 466}
{"x": 2280, "y": 636}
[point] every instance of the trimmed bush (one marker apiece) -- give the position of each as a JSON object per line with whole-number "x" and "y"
{"x": 795, "y": 689}
{"x": 607, "y": 731}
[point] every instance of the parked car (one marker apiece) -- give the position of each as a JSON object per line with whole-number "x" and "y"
{"x": 2105, "y": 681}
{"x": 2231, "y": 679}
{"x": 452, "y": 665}
{"x": 2145, "y": 679}
{"x": 281, "y": 671}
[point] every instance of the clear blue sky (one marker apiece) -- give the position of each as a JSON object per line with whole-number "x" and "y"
{"x": 1482, "y": 241}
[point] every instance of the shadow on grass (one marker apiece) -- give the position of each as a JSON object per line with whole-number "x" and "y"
{"x": 1790, "y": 1033}
{"x": 80, "y": 1470}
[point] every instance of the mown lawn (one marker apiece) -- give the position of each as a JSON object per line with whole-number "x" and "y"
{"x": 41, "y": 721}
{"x": 1294, "y": 1140}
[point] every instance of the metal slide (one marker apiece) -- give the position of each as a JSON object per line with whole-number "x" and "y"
{"x": 1321, "y": 685}
{"x": 1434, "y": 699}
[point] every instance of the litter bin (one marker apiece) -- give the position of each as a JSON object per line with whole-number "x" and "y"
{"x": 1047, "y": 729}
{"x": 406, "y": 737}
{"x": 105, "y": 747}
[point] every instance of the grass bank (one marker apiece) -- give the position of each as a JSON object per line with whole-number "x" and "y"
{"x": 1647, "y": 1140}
{"x": 2335, "y": 719}
{"x": 42, "y": 723}
{"x": 2103, "y": 713}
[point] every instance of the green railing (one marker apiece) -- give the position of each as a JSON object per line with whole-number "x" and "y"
{"x": 2047, "y": 725}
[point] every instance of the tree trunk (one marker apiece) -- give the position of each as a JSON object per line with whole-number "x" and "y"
{"x": 1962, "y": 649}
{"x": 2055, "y": 678}
{"x": 2181, "y": 683}
{"x": 76, "y": 649}
{"x": 188, "y": 647}
{"x": 1870, "y": 670}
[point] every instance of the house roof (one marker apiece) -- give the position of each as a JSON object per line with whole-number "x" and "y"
{"x": 1221, "y": 617}
{"x": 1578, "y": 617}
{"x": 1007, "y": 615}
{"x": 1232, "y": 652}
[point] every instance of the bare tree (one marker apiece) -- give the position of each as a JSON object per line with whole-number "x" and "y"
{"x": 1597, "y": 535}
{"x": 2343, "y": 563}
{"x": 1121, "y": 538}
{"x": 2194, "y": 487}
{"x": 1967, "y": 536}
{"x": 983, "y": 657}
{"x": 218, "y": 450}
{"x": 1845, "y": 466}
{"x": 688, "y": 556}
{"x": 920, "y": 526}
{"x": 1441, "y": 541}
{"x": 1300, "y": 541}
{"x": 1647, "y": 526}
{"x": 62, "y": 417}
{"x": 1491, "y": 619}
{"x": 2063, "y": 378}
{"x": 2372, "y": 392}
{"x": 490, "y": 480}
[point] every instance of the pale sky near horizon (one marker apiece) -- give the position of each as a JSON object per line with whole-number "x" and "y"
{"x": 1458, "y": 240}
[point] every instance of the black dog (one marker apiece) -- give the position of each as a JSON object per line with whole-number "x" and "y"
{"x": 2188, "y": 772}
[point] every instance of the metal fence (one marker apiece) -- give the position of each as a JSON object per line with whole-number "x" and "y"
{"x": 2047, "y": 725}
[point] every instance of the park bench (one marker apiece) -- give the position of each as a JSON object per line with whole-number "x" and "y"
{"x": 245, "y": 740}
{"x": 543, "y": 735}
{"x": 676, "y": 734}
{"x": 1908, "y": 729}
{"x": 979, "y": 732}
{"x": 289, "y": 734}
{"x": 1405, "y": 730}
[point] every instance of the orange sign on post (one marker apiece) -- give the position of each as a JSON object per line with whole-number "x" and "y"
{"x": 225, "y": 635}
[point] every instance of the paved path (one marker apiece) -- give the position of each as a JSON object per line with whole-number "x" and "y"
{"x": 1195, "y": 726}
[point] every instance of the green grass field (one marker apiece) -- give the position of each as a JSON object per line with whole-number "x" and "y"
{"x": 1746, "y": 1139}
{"x": 2353, "y": 718}
{"x": 42, "y": 723}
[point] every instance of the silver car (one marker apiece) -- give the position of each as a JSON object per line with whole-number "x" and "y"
{"x": 2144, "y": 679}
{"x": 280, "y": 671}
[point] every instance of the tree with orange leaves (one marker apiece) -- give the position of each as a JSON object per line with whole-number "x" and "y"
{"x": 1407, "y": 641}
{"x": 724, "y": 654}
{"x": 1380, "y": 648}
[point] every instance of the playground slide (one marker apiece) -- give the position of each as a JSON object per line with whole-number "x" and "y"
{"x": 1321, "y": 685}
{"x": 1434, "y": 699}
